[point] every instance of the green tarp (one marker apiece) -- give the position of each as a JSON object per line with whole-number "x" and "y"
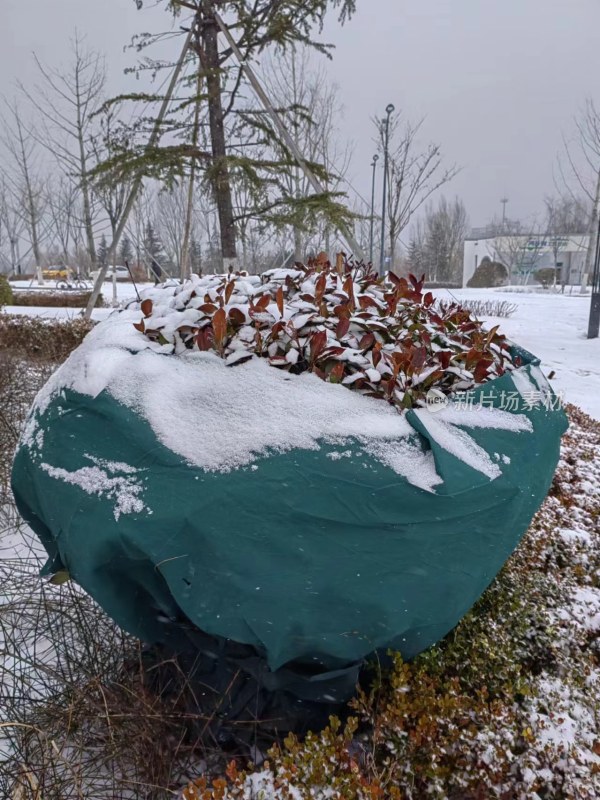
{"x": 312, "y": 562}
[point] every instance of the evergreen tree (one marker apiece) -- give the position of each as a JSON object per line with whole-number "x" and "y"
{"x": 102, "y": 253}
{"x": 255, "y": 25}
{"x": 416, "y": 257}
{"x": 126, "y": 250}
{"x": 153, "y": 250}
{"x": 196, "y": 256}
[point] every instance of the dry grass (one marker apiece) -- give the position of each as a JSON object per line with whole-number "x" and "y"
{"x": 84, "y": 711}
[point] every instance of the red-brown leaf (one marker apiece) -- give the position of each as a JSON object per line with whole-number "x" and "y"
{"x": 349, "y": 289}
{"x": 205, "y": 339}
{"x": 317, "y": 344}
{"x": 237, "y": 317}
{"x": 376, "y": 354}
{"x": 219, "y": 324}
{"x": 320, "y": 289}
{"x": 263, "y": 302}
{"x": 367, "y": 341}
{"x": 342, "y": 328}
{"x": 147, "y": 308}
{"x": 337, "y": 373}
{"x": 229, "y": 291}
{"x": 367, "y": 302}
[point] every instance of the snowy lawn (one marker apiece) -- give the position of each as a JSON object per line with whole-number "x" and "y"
{"x": 554, "y": 328}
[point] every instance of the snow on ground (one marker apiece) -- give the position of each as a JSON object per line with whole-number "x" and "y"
{"x": 554, "y": 328}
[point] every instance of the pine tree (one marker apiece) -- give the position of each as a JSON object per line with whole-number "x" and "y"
{"x": 126, "y": 250}
{"x": 196, "y": 256}
{"x": 153, "y": 250}
{"x": 102, "y": 253}
{"x": 255, "y": 26}
{"x": 416, "y": 257}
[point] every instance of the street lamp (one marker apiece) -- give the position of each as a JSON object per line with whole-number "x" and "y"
{"x": 594, "y": 324}
{"x": 374, "y": 165}
{"x": 389, "y": 111}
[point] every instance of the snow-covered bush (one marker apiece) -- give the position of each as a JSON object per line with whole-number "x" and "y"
{"x": 385, "y": 338}
{"x": 42, "y": 338}
{"x": 488, "y": 274}
{"x": 545, "y": 276}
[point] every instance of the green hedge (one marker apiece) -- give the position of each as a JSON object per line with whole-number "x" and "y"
{"x": 6, "y": 292}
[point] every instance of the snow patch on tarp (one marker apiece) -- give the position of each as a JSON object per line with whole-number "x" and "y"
{"x": 220, "y": 418}
{"x": 444, "y": 428}
{"x": 227, "y": 417}
{"x": 124, "y": 490}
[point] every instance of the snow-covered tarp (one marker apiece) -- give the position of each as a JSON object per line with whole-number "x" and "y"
{"x": 310, "y": 522}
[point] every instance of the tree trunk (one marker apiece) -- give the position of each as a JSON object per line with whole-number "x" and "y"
{"x": 220, "y": 182}
{"x": 31, "y": 207}
{"x": 85, "y": 183}
{"x": 298, "y": 255}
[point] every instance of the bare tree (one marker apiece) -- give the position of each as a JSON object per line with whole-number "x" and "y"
{"x": 314, "y": 115}
{"x": 580, "y": 165}
{"x": 111, "y": 194}
{"x": 437, "y": 243}
{"x": 66, "y": 102}
{"x": 414, "y": 174}
{"x": 567, "y": 221}
{"x": 24, "y": 177}
{"x": 519, "y": 248}
{"x": 62, "y": 204}
{"x": 13, "y": 227}
{"x": 170, "y": 219}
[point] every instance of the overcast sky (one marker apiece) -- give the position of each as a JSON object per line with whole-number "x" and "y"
{"x": 499, "y": 81}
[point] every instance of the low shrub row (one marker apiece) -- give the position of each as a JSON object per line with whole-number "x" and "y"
{"x": 490, "y": 308}
{"x": 43, "y": 339}
{"x": 51, "y": 299}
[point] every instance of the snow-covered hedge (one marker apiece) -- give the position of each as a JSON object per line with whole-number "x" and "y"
{"x": 385, "y": 338}
{"x": 40, "y": 337}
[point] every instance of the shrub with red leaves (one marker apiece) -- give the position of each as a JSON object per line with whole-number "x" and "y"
{"x": 383, "y": 337}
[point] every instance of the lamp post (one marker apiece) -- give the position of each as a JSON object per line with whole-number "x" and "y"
{"x": 374, "y": 165}
{"x": 386, "y": 143}
{"x": 594, "y": 323}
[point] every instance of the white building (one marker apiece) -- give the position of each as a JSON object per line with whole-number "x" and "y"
{"x": 524, "y": 254}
